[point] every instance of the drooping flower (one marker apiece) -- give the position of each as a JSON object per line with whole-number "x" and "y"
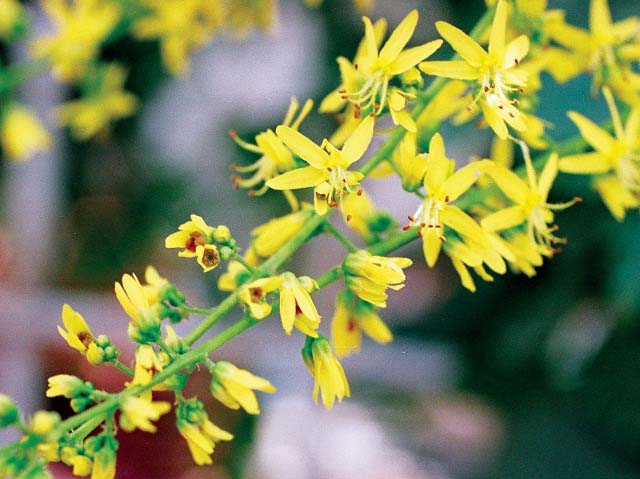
{"x": 22, "y": 134}
{"x": 253, "y": 295}
{"x": 199, "y": 432}
{"x": 615, "y": 163}
{"x": 234, "y": 387}
{"x": 145, "y": 322}
{"x": 495, "y": 72}
{"x": 369, "y": 276}
{"x": 296, "y": 307}
{"x": 328, "y": 166}
{"x": 138, "y": 412}
{"x": 82, "y": 26}
{"x": 275, "y": 156}
{"x": 271, "y": 236}
{"x": 352, "y": 318}
{"x": 327, "y": 372}
{"x": 77, "y": 334}
{"x": 198, "y": 241}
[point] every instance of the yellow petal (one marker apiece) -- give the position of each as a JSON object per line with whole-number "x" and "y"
{"x": 516, "y": 50}
{"x": 615, "y": 196}
{"x": 594, "y": 135}
{"x": 431, "y": 246}
{"x": 494, "y": 120}
{"x": 356, "y": 145}
{"x": 411, "y": 57}
{"x": 302, "y": 146}
{"x": 498, "y": 31}
{"x": 510, "y": 183}
{"x": 376, "y": 329}
{"x": 465, "y": 276}
{"x": 462, "y": 43}
{"x": 600, "y": 18}
{"x": 402, "y": 118}
{"x": 585, "y": 164}
{"x": 504, "y": 219}
{"x": 301, "y": 178}
{"x": 370, "y": 43}
{"x": 458, "y": 70}
{"x": 287, "y": 309}
{"x": 399, "y": 38}
{"x": 461, "y": 180}
{"x": 548, "y": 175}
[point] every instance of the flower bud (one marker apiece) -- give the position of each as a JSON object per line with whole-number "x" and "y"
{"x": 8, "y": 412}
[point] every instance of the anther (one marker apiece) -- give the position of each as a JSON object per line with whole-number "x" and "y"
{"x": 233, "y": 133}
{"x": 419, "y": 233}
{"x": 446, "y": 199}
{"x": 411, "y": 218}
{"x": 342, "y": 90}
{"x": 355, "y": 66}
{"x": 349, "y": 218}
{"x": 577, "y": 199}
{"x": 359, "y": 192}
{"x": 443, "y": 239}
{"x": 332, "y": 204}
{"x": 517, "y": 61}
{"x": 486, "y": 89}
{"x": 406, "y": 227}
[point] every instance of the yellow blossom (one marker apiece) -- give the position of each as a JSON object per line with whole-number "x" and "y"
{"x": 296, "y": 307}
{"x": 147, "y": 365}
{"x": 412, "y": 166}
{"x": 608, "y": 51}
{"x": 77, "y": 333}
{"x": 361, "y": 215}
{"x": 494, "y": 72}
{"x": 104, "y": 457}
{"x": 22, "y": 134}
{"x": 43, "y": 422}
{"x": 138, "y": 412}
{"x": 275, "y": 157}
{"x": 253, "y": 295}
{"x": 615, "y": 163}
{"x": 197, "y": 239}
{"x": 103, "y": 104}
{"x": 369, "y": 276}
{"x": 181, "y": 26}
{"x": 352, "y": 318}
{"x": 327, "y": 372}
{"x": 443, "y": 186}
{"x": 236, "y": 273}
{"x": 82, "y": 26}
{"x": 327, "y": 171}
{"x": 67, "y": 386}
{"x": 82, "y": 465}
{"x": 199, "y": 432}
{"x": 530, "y": 200}
{"x": 367, "y": 86}
{"x": 145, "y": 323}
{"x": 234, "y": 387}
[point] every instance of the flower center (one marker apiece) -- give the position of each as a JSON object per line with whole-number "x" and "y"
{"x": 195, "y": 239}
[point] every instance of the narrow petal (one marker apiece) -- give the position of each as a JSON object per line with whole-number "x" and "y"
{"x": 600, "y": 18}
{"x": 370, "y": 43}
{"x": 516, "y": 50}
{"x": 399, "y": 38}
{"x": 302, "y": 146}
{"x": 465, "y": 276}
{"x": 460, "y": 221}
{"x": 458, "y": 70}
{"x": 585, "y": 164}
{"x": 411, "y": 57}
{"x": 494, "y": 120}
{"x": 594, "y": 135}
{"x": 510, "y": 183}
{"x": 431, "y": 245}
{"x": 301, "y": 178}
{"x": 356, "y": 145}
{"x": 504, "y": 219}
{"x": 461, "y": 181}
{"x": 548, "y": 175}
{"x": 462, "y": 43}
{"x": 498, "y": 31}
{"x": 287, "y": 309}
{"x": 402, "y": 118}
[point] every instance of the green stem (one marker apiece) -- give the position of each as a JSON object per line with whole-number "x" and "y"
{"x": 83, "y": 431}
{"x": 167, "y": 350}
{"x": 125, "y": 369}
{"x": 340, "y": 237}
{"x": 194, "y": 309}
{"x": 244, "y": 263}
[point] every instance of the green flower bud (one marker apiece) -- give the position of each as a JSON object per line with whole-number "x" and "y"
{"x": 8, "y": 412}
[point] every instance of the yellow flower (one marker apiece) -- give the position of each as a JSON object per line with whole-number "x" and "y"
{"x": 181, "y": 26}
{"x": 253, "y": 295}
{"x": 12, "y": 19}
{"x": 67, "y": 386}
{"x": 43, "y": 422}
{"x": 327, "y": 171}
{"x": 443, "y": 186}
{"x": 147, "y": 365}
{"x": 200, "y": 433}
{"x": 296, "y": 307}
{"x": 530, "y": 200}
{"x": 369, "y": 276}
{"x": 608, "y": 51}
{"x": 93, "y": 113}
{"x": 353, "y": 317}
{"x": 198, "y": 240}
{"x": 145, "y": 323}
{"x": 327, "y": 372}
{"x": 82, "y": 465}
{"x": 234, "y": 387}
{"x": 494, "y": 72}
{"x": 138, "y": 412}
{"x": 243, "y": 16}
{"x": 22, "y": 134}
{"x": 528, "y": 255}
{"x": 615, "y": 163}
{"x": 369, "y": 91}
{"x": 77, "y": 333}
{"x": 412, "y": 165}
{"x": 104, "y": 449}
{"x": 82, "y": 25}
{"x": 275, "y": 157}
{"x": 236, "y": 273}
{"x": 271, "y": 236}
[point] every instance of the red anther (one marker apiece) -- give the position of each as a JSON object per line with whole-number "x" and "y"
{"x": 486, "y": 89}
{"x": 356, "y": 114}
{"x": 422, "y": 225}
{"x": 577, "y": 199}
{"x": 343, "y": 97}
{"x": 233, "y": 133}
{"x": 446, "y": 199}
{"x": 516, "y": 102}
{"x": 320, "y": 196}
{"x": 479, "y": 123}
{"x": 521, "y": 90}
{"x": 329, "y": 169}
{"x": 511, "y": 115}
{"x": 555, "y": 227}
{"x": 419, "y": 233}
{"x": 342, "y": 90}
{"x": 431, "y": 226}
{"x": 411, "y": 218}
{"x": 349, "y": 218}
{"x": 493, "y": 85}
{"x": 355, "y": 66}
{"x": 376, "y": 106}
{"x": 406, "y": 227}
{"x": 501, "y": 107}
{"x": 359, "y": 192}
{"x": 469, "y": 109}
{"x": 332, "y": 204}
{"x": 517, "y": 61}
{"x": 438, "y": 226}
{"x": 556, "y": 250}
{"x": 443, "y": 239}
{"x": 372, "y": 114}
{"x": 344, "y": 180}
